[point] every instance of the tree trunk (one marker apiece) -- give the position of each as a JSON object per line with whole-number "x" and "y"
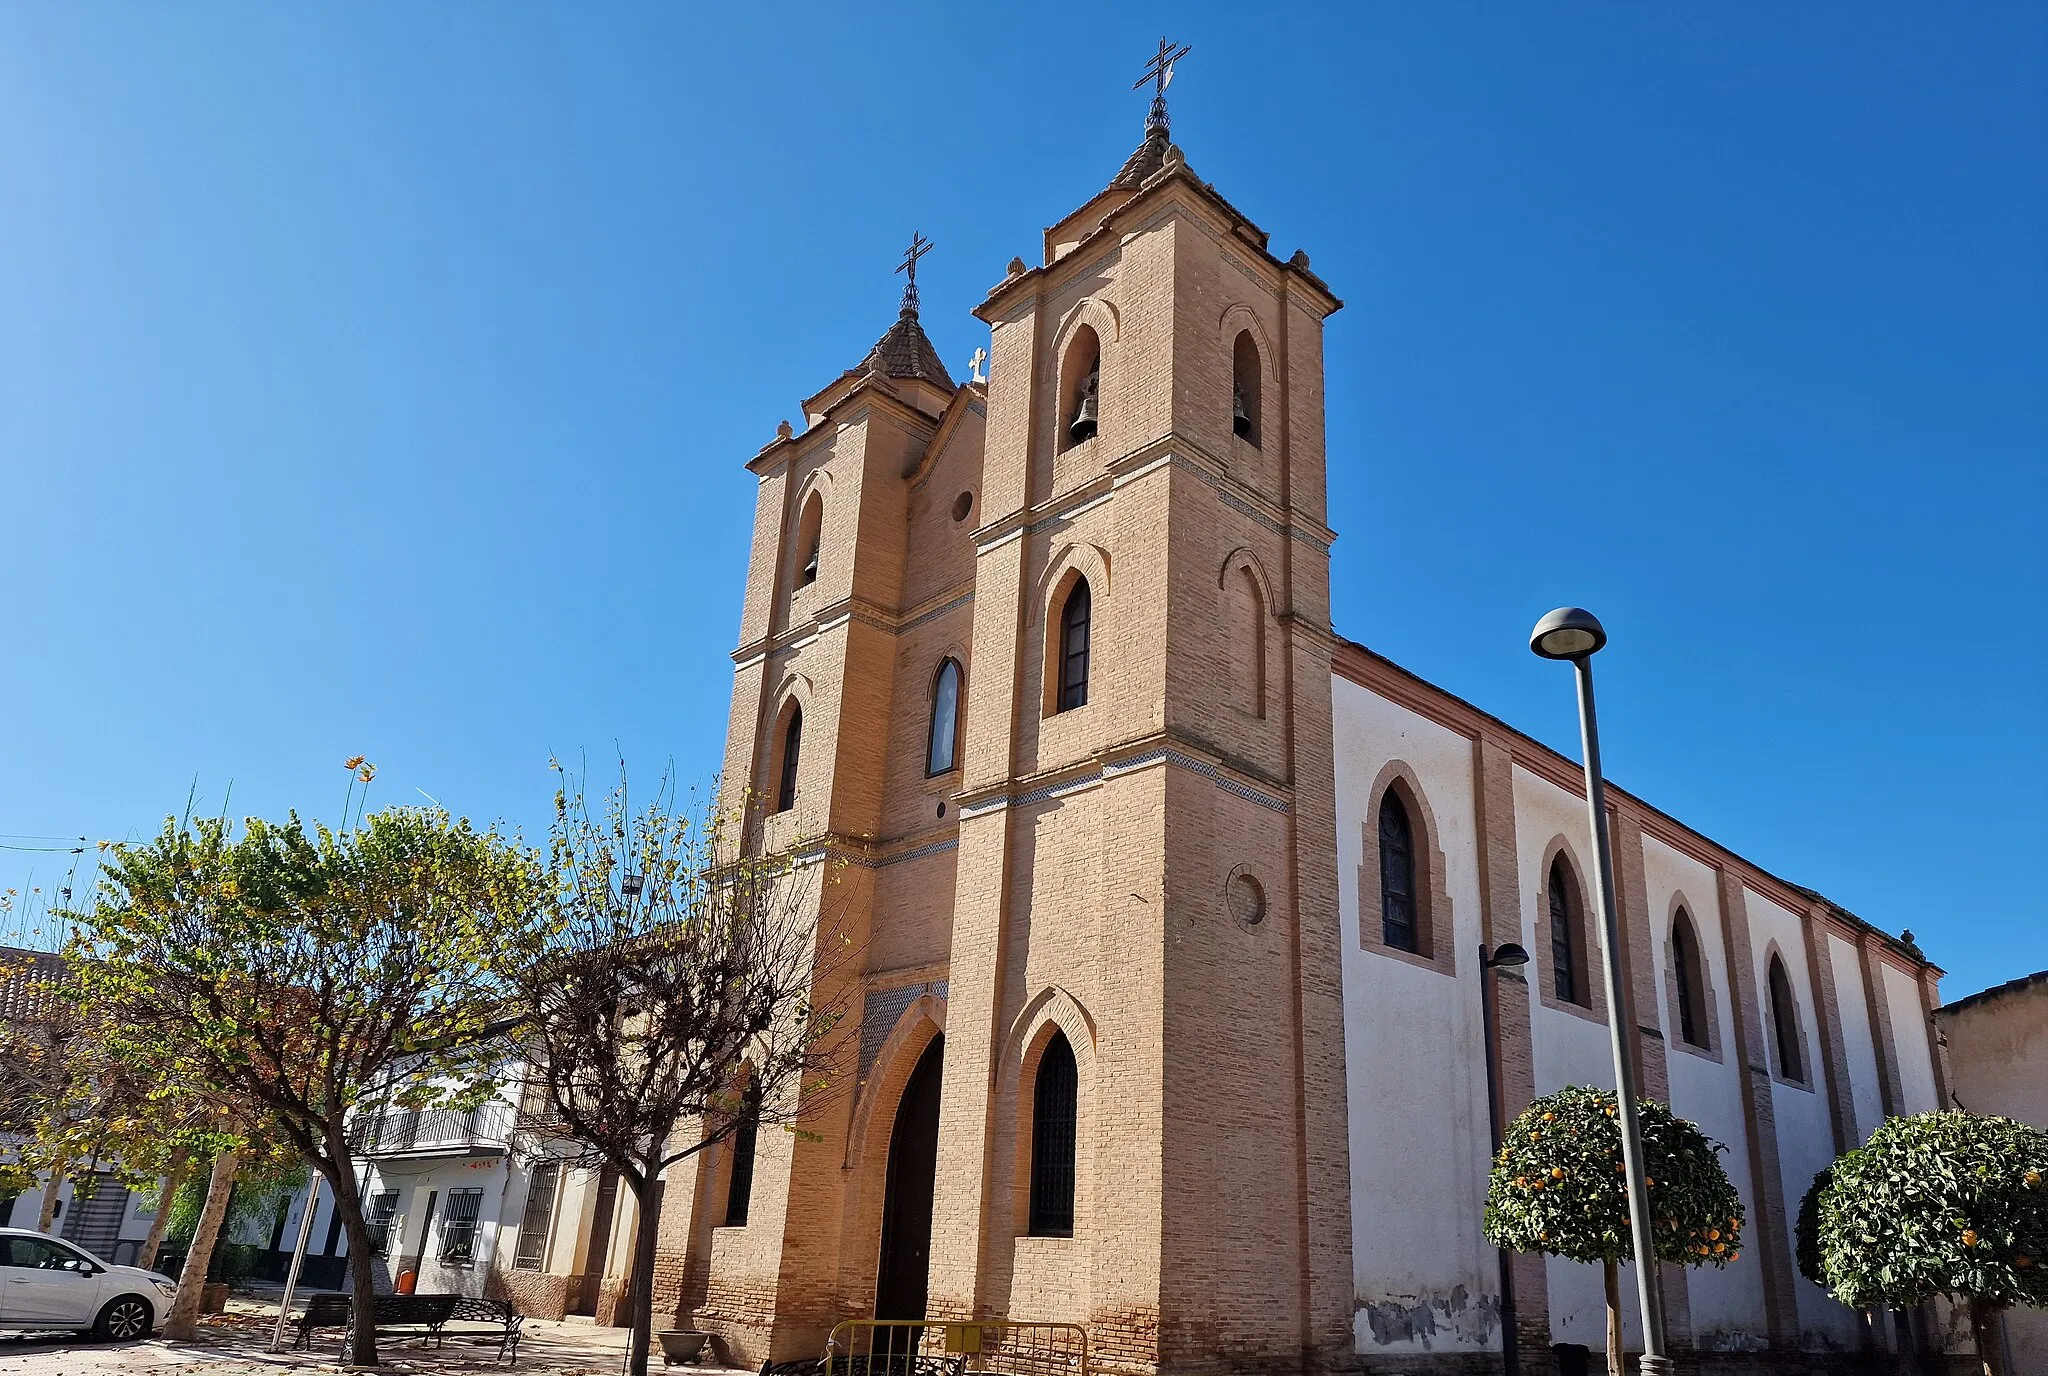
{"x": 1616, "y": 1362}
{"x": 183, "y": 1321}
{"x": 1984, "y": 1328}
{"x": 47, "y": 1215}
{"x": 640, "y": 1290}
{"x": 362, "y": 1264}
{"x": 167, "y": 1190}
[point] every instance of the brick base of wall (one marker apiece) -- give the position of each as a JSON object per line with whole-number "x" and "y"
{"x": 535, "y": 1294}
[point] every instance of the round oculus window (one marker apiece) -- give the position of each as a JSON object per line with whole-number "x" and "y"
{"x": 963, "y": 506}
{"x": 1245, "y": 897}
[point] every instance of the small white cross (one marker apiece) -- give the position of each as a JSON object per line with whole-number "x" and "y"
{"x": 975, "y": 364}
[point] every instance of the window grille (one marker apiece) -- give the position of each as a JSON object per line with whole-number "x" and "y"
{"x": 1784, "y": 1024}
{"x": 1686, "y": 973}
{"x": 537, "y": 1221}
{"x": 1054, "y": 1120}
{"x": 377, "y": 1219}
{"x": 739, "y": 1194}
{"x": 792, "y": 745}
{"x": 458, "y": 1226}
{"x": 1397, "y": 875}
{"x": 1074, "y": 620}
{"x": 1564, "y": 920}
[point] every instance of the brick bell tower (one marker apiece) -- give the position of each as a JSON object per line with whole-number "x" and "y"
{"x": 1107, "y": 861}
{"x": 1146, "y": 863}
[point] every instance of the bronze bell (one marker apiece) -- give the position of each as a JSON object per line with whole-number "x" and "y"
{"x": 1083, "y": 426}
{"x": 1240, "y": 419}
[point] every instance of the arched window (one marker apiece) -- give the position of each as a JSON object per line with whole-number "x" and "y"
{"x": 1054, "y": 1120}
{"x": 792, "y": 746}
{"x": 1245, "y": 617}
{"x": 1785, "y": 1023}
{"x": 1073, "y": 664}
{"x": 1244, "y": 388}
{"x": 1080, "y": 389}
{"x": 943, "y": 744}
{"x": 740, "y": 1192}
{"x": 1567, "y": 943}
{"x": 1689, "y": 975}
{"x": 810, "y": 530}
{"x": 1397, "y": 875}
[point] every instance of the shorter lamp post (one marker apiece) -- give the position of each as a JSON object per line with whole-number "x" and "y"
{"x": 1491, "y": 959}
{"x": 1575, "y": 634}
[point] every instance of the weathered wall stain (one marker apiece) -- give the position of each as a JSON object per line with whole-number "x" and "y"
{"x": 1426, "y": 1318}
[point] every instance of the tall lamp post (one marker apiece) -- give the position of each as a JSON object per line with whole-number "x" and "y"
{"x": 1490, "y": 959}
{"x": 1575, "y": 634}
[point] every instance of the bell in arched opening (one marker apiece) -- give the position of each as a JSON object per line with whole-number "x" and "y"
{"x": 1083, "y": 425}
{"x": 1240, "y": 418}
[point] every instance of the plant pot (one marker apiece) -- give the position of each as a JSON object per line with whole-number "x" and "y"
{"x": 681, "y": 1345}
{"x": 213, "y": 1297}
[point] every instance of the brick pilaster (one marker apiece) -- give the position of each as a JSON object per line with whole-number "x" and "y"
{"x": 1772, "y": 1244}
{"x": 1834, "y": 1056}
{"x": 1881, "y": 1038}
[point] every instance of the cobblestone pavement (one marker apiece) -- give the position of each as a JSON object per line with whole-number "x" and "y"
{"x": 235, "y": 1343}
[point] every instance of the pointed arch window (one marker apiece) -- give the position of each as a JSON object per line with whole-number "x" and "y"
{"x": 810, "y": 534}
{"x": 1689, "y": 974}
{"x": 1244, "y": 389}
{"x": 739, "y": 1192}
{"x": 943, "y": 745}
{"x": 1055, "y": 1121}
{"x": 1397, "y": 875}
{"x": 1081, "y": 389}
{"x": 1075, "y": 616}
{"x": 1785, "y": 1023}
{"x": 792, "y": 747}
{"x": 1567, "y": 935}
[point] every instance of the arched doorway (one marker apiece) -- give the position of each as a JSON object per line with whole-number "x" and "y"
{"x": 907, "y": 1196}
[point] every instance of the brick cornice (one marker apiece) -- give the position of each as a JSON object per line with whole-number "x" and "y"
{"x": 1407, "y": 689}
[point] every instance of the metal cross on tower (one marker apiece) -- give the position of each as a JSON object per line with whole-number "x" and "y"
{"x": 919, "y": 247}
{"x": 1159, "y": 71}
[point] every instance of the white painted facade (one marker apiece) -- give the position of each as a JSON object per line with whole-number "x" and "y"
{"x": 1425, "y": 1280}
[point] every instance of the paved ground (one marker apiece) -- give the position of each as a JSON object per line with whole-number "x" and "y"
{"x": 235, "y": 1343}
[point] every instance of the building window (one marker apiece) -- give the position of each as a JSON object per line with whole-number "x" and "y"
{"x": 739, "y": 1194}
{"x": 538, "y": 1220}
{"x": 792, "y": 747}
{"x": 1567, "y": 936}
{"x": 810, "y": 534}
{"x": 1397, "y": 875}
{"x": 458, "y": 1227}
{"x": 1080, "y": 391}
{"x": 1055, "y": 1119}
{"x": 1244, "y": 390}
{"x": 377, "y": 1219}
{"x": 1073, "y": 665}
{"x": 944, "y": 743}
{"x": 1689, "y": 975}
{"x": 1785, "y": 1024}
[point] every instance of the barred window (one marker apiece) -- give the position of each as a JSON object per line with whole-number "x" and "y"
{"x": 537, "y": 1221}
{"x": 377, "y": 1218}
{"x": 1397, "y": 875}
{"x": 458, "y": 1227}
{"x": 1074, "y": 619}
{"x": 1689, "y": 975}
{"x": 739, "y": 1195}
{"x": 792, "y": 746}
{"x": 1567, "y": 954}
{"x": 1054, "y": 1120}
{"x": 1785, "y": 1024}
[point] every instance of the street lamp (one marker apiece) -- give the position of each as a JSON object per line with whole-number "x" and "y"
{"x": 1499, "y": 958}
{"x": 1575, "y": 634}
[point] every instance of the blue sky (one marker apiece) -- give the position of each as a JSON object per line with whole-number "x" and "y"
{"x": 379, "y": 379}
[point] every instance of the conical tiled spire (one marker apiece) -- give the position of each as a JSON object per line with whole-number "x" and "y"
{"x": 906, "y": 351}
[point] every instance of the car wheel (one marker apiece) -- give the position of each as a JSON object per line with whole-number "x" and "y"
{"x": 123, "y": 1320}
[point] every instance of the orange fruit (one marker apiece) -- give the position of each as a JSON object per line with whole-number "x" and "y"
{"x": 1557, "y": 1172}
{"x": 1969, "y": 1237}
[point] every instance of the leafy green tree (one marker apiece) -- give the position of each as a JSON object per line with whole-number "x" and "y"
{"x": 683, "y": 989}
{"x": 302, "y": 972}
{"x": 1951, "y": 1204}
{"x": 1558, "y": 1186}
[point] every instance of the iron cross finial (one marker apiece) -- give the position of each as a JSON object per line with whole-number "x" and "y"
{"x": 919, "y": 247}
{"x": 1159, "y": 71}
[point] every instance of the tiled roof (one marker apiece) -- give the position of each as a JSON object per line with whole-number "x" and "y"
{"x": 27, "y": 981}
{"x": 905, "y": 351}
{"x": 1150, "y": 157}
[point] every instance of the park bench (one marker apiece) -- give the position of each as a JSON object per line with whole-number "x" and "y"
{"x": 421, "y": 1316}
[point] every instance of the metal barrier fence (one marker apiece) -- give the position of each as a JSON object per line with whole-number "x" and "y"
{"x": 941, "y": 1347}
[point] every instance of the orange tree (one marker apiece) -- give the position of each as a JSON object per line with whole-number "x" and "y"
{"x": 1951, "y": 1204}
{"x": 1558, "y": 1186}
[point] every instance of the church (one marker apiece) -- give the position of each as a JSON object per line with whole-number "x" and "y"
{"x": 1171, "y": 898}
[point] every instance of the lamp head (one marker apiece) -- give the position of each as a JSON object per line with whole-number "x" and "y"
{"x": 1508, "y": 954}
{"x": 1568, "y": 633}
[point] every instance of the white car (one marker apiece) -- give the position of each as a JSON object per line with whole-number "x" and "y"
{"x": 46, "y": 1282}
